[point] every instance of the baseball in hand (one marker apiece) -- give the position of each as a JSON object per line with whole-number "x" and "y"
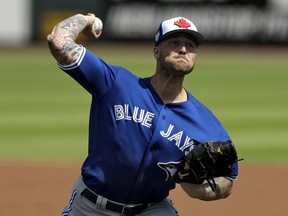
{"x": 98, "y": 25}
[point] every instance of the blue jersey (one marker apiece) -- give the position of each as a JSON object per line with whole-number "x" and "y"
{"x": 136, "y": 140}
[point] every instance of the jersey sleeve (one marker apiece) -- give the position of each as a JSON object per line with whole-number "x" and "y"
{"x": 91, "y": 72}
{"x": 212, "y": 129}
{"x": 234, "y": 173}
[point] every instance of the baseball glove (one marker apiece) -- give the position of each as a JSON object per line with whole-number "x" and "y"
{"x": 207, "y": 161}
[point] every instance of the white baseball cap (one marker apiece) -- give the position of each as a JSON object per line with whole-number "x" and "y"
{"x": 175, "y": 25}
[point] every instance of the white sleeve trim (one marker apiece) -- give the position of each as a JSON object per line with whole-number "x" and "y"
{"x": 76, "y": 63}
{"x": 234, "y": 178}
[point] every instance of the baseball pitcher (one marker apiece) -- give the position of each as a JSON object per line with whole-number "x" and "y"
{"x": 145, "y": 134}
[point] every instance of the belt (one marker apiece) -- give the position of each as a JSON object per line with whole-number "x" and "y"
{"x": 127, "y": 210}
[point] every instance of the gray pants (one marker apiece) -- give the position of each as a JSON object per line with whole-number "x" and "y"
{"x": 80, "y": 206}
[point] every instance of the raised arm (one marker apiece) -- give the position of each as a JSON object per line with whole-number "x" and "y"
{"x": 61, "y": 40}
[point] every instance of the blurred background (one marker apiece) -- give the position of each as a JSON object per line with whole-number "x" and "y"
{"x": 229, "y": 21}
{"x": 241, "y": 75}
{"x": 243, "y": 62}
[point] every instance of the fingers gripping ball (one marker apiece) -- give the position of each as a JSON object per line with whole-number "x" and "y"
{"x": 97, "y": 26}
{"x": 207, "y": 161}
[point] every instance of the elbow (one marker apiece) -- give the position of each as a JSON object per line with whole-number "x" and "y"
{"x": 56, "y": 47}
{"x": 52, "y": 41}
{"x": 51, "y": 37}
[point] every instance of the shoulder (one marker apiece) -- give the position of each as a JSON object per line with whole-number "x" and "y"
{"x": 198, "y": 104}
{"x": 88, "y": 61}
{"x": 214, "y": 128}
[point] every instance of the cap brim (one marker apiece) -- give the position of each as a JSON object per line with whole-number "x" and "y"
{"x": 199, "y": 38}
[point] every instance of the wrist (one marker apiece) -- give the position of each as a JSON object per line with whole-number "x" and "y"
{"x": 90, "y": 18}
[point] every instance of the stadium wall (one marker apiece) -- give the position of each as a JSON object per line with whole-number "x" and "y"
{"x": 224, "y": 21}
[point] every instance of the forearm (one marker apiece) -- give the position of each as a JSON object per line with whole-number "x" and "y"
{"x": 204, "y": 192}
{"x": 62, "y": 39}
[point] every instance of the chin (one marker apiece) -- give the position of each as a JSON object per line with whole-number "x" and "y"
{"x": 184, "y": 71}
{"x": 184, "y": 67}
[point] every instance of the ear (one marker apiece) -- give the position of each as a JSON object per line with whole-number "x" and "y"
{"x": 156, "y": 52}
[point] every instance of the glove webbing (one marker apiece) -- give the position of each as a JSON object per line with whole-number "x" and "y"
{"x": 211, "y": 181}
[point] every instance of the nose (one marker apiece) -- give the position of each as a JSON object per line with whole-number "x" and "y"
{"x": 182, "y": 49}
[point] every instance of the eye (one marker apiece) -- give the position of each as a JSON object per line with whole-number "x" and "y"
{"x": 191, "y": 44}
{"x": 174, "y": 42}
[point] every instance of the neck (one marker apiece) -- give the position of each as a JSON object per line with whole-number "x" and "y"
{"x": 170, "y": 90}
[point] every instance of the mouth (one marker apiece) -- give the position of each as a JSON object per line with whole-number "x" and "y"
{"x": 181, "y": 59}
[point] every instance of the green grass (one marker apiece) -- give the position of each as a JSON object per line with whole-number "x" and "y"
{"x": 44, "y": 113}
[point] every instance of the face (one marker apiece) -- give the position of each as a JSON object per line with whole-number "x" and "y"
{"x": 176, "y": 55}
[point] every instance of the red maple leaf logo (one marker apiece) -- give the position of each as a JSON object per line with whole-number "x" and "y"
{"x": 182, "y": 23}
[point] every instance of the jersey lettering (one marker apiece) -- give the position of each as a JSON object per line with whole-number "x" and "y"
{"x": 176, "y": 137}
{"x": 168, "y": 132}
{"x": 186, "y": 146}
{"x": 137, "y": 115}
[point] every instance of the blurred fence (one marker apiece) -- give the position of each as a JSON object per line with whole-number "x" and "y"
{"x": 225, "y": 21}
{"x": 218, "y": 22}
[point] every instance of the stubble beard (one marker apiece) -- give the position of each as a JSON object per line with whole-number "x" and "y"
{"x": 177, "y": 69}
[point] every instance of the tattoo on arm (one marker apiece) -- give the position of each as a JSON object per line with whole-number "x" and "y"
{"x": 62, "y": 39}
